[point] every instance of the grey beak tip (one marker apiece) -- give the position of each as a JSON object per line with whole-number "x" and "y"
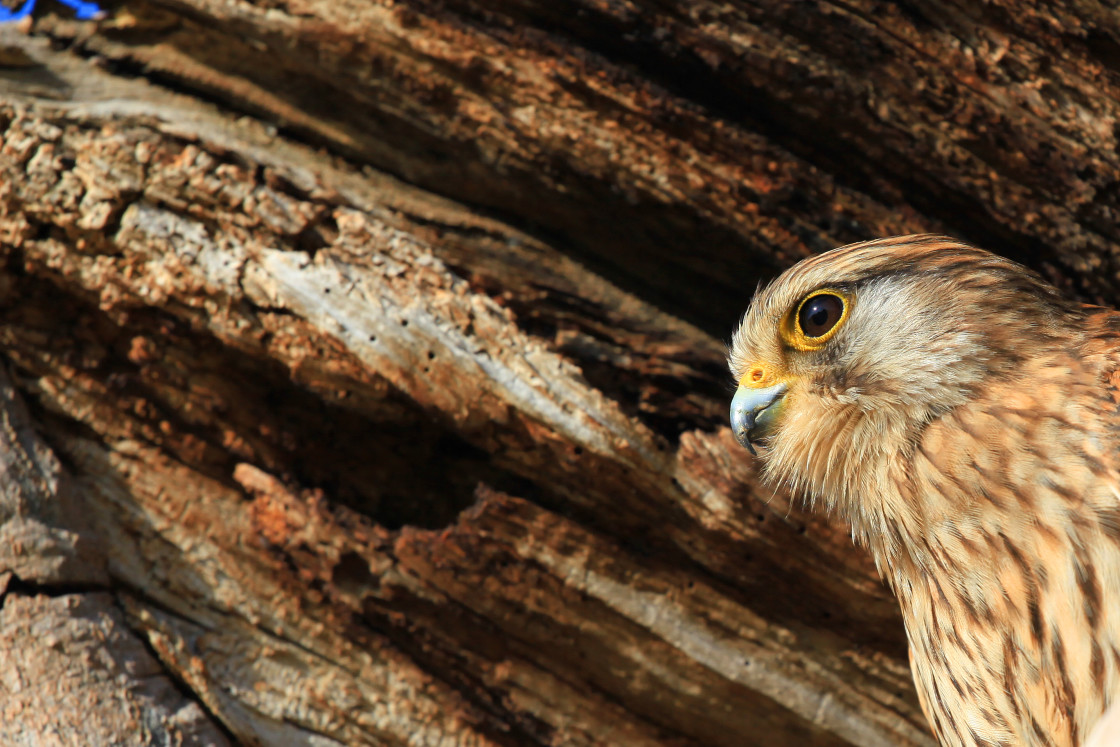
{"x": 741, "y": 423}
{"x": 747, "y": 406}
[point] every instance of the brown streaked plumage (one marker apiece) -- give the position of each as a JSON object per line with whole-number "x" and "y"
{"x": 965, "y": 418}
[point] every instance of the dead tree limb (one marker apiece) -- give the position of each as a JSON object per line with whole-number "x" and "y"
{"x": 365, "y": 381}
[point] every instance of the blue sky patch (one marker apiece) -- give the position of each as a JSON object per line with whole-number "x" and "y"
{"x": 83, "y": 11}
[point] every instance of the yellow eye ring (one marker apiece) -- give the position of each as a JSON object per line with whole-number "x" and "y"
{"x": 823, "y": 311}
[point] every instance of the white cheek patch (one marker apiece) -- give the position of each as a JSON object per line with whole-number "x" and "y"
{"x": 894, "y": 333}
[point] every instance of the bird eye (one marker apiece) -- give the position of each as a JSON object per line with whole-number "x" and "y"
{"x": 819, "y": 314}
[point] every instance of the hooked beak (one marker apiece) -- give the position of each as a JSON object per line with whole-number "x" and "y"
{"x": 754, "y": 412}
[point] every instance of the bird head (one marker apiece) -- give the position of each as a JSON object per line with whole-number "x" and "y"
{"x": 845, "y": 358}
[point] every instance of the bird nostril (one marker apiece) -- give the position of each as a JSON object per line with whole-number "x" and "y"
{"x": 756, "y": 375}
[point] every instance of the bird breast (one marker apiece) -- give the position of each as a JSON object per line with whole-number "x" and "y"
{"x": 1009, "y": 571}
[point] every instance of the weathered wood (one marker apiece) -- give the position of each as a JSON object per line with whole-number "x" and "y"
{"x": 74, "y": 673}
{"x": 372, "y": 352}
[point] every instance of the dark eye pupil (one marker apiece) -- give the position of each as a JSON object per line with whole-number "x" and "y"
{"x": 820, "y": 314}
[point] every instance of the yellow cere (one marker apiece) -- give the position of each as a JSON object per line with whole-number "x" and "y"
{"x": 758, "y": 376}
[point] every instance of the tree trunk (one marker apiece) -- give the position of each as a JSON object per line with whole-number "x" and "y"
{"x": 363, "y": 373}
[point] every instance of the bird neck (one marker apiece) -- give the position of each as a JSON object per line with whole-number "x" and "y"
{"x": 999, "y": 531}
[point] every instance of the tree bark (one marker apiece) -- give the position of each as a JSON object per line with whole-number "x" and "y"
{"x": 363, "y": 373}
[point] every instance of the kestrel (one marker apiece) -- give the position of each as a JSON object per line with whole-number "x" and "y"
{"x": 965, "y": 419}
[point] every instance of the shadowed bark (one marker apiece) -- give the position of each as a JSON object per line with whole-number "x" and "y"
{"x": 363, "y": 373}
